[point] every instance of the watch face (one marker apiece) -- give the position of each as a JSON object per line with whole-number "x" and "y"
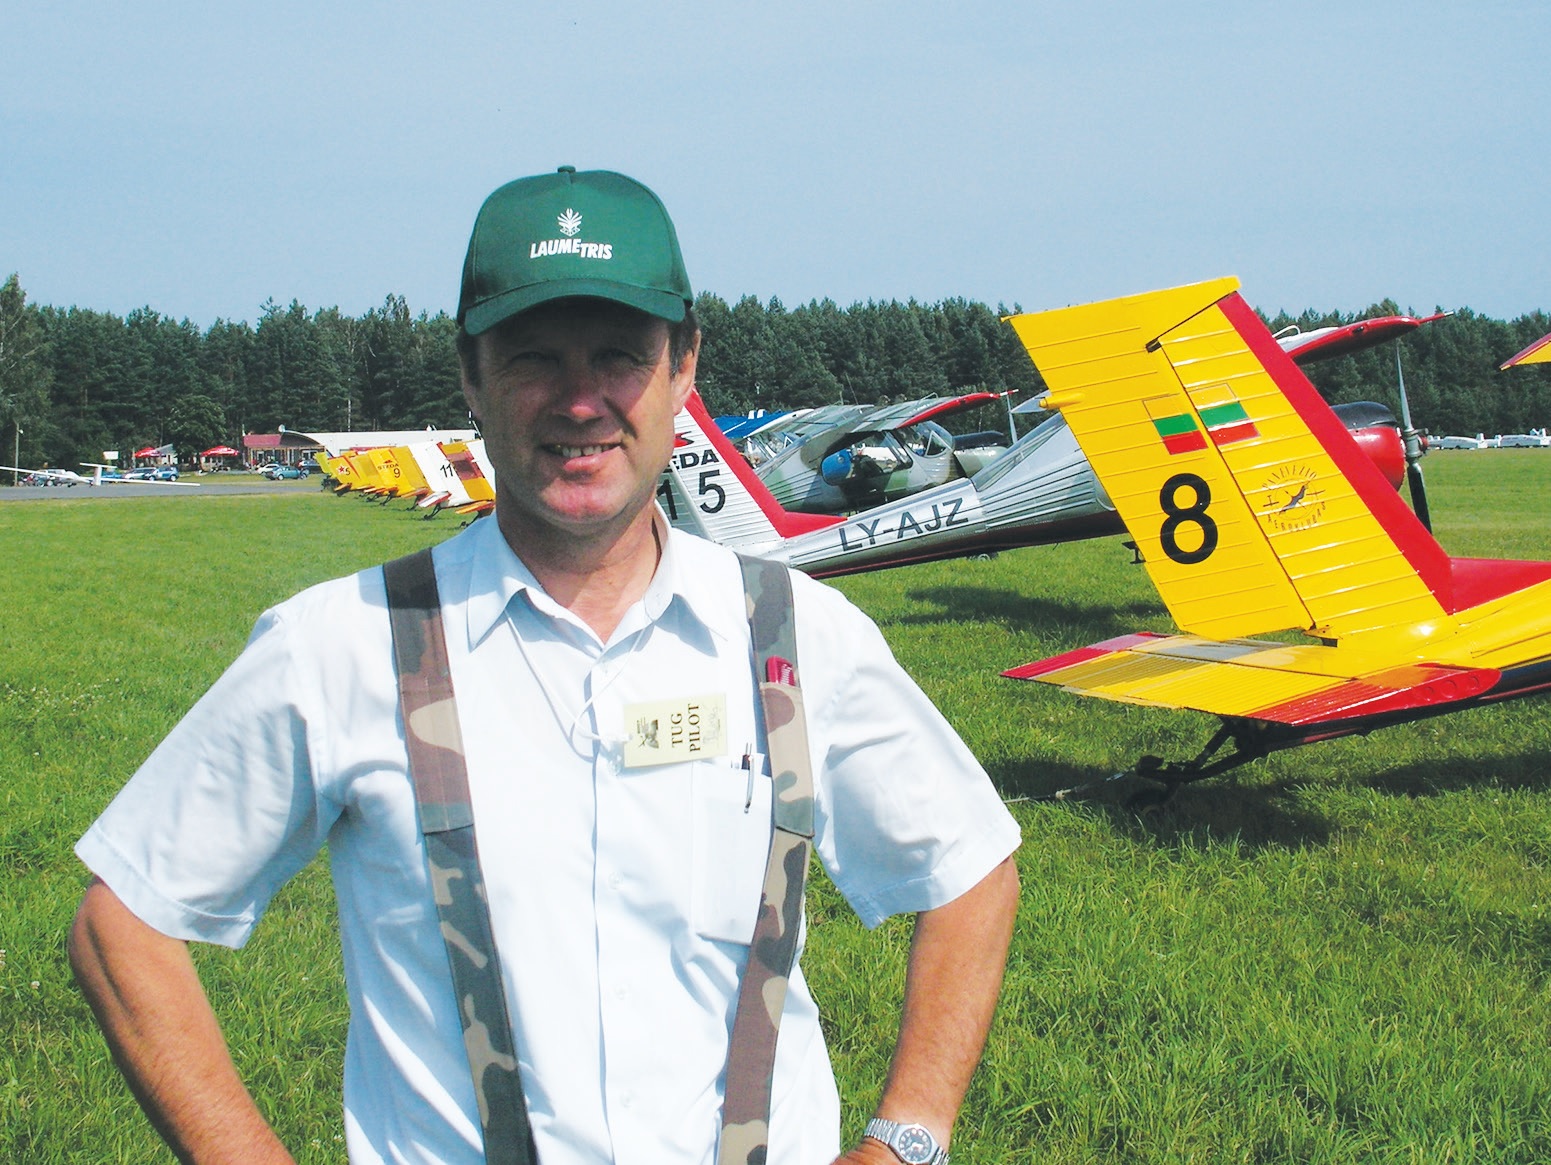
{"x": 914, "y": 1145}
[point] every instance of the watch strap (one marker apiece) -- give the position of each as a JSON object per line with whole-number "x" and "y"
{"x": 881, "y": 1129}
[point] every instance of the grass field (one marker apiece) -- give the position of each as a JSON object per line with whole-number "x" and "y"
{"x": 1344, "y": 954}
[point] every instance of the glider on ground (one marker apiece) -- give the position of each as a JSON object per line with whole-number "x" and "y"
{"x": 1254, "y": 511}
{"x": 101, "y": 475}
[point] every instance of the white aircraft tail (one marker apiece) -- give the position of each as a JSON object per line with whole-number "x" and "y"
{"x": 710, "y": 490}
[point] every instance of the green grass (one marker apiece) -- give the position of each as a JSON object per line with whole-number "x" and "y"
{"x": 1342, "y": 954}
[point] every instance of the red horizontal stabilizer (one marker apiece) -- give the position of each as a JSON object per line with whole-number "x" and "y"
{"x": 1039, "y": 667}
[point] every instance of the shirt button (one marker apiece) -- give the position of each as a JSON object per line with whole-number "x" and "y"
{"x": 621, "y": 992}
{"x": 615, "y": 881}
{"x": 626, "y": 1099}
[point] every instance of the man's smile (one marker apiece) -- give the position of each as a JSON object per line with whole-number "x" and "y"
{"x": 573, "y": 451}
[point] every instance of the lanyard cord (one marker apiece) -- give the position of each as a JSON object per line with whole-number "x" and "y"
{"x": 549, "y": 693}
{"x": 553, "y": 698}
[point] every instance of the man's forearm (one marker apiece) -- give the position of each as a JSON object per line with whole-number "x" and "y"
{"x": 955, "y": 974}
{"x": 146, "y": 995}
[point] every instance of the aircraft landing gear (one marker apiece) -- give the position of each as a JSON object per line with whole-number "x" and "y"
{"x": 1153, "y": 780}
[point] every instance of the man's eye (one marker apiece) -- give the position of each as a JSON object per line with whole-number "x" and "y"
{"x": 525, "y": 365}
{"x": 621, "y": 358}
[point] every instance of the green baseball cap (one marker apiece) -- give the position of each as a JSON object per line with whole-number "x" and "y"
{"x": 594, "y": 233}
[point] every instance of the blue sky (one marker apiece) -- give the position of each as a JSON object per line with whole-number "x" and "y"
{"x": 202, "y": 158}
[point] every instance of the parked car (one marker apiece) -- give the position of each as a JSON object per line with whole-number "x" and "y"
{"x": 286, "y": 472}
{"x": 165, "y": 473}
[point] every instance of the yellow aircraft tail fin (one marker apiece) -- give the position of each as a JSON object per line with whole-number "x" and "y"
{"x": 1251, "y": 505}
{"x": 465, "y": 459}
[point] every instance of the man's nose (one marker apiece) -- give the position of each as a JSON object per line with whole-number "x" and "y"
{"x": 581, "y": 389}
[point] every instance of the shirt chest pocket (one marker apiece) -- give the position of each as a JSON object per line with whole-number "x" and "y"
{"x": 731, "y": 838}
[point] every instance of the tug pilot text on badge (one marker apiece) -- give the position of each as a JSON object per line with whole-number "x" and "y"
{"x": 680, "y": 723}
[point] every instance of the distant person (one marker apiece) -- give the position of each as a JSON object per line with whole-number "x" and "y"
{"x": 622, "y": 895}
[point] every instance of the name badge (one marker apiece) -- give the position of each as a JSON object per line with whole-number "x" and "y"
{"x": 667, "y": 732}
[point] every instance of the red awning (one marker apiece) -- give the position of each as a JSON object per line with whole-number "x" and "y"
{"x": 219, "y": 451}
{"x": 148, "y": 451}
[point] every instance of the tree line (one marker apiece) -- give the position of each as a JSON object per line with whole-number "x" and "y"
{"x": 75, "y": 382}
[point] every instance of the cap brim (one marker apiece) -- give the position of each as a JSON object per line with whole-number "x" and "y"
{"x": 482, "y": 317}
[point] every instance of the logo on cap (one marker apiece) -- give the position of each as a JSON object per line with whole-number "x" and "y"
{"x": 570, "y": 226}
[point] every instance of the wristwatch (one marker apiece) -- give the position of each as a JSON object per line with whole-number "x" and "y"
{"x": 912, "y": 1144}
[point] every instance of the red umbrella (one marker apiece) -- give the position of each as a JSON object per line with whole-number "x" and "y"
{"x": 218, "y": 451}
{"x": 148, "y": 451}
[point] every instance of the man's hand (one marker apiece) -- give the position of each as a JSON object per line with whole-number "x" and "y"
{"x": 146, "y": 995}
{"x": 869, "y": 1152}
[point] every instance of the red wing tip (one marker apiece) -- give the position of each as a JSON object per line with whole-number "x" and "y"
{"x": 1055, "y": 663}
{"x": 1520, "y": 357}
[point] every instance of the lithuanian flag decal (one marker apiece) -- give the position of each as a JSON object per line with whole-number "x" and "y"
{"x": 1224, "y": 417}
{"x": 1218, "y": 411}
{"x": 1179, "y": 431}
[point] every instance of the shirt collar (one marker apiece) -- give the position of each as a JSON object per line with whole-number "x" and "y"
{"x": 496, "y": 576}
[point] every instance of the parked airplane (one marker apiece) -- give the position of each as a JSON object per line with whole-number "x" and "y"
{"x": 1254, "y": 511}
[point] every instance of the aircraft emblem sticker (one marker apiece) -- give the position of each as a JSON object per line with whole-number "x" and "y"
{"x": 1291, "y": 500}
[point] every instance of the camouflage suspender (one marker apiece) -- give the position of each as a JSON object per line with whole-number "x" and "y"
{"x": 440, "y": 778}
{"x": 446, "y": 817}
{"x": 762, "y": 994}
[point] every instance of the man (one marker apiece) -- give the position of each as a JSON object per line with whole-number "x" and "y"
{"x": 622, "y": 895}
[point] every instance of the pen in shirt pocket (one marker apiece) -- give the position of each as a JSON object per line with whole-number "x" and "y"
{"x": 751, "y": 761}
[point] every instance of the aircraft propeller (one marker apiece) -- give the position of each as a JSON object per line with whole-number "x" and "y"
{"x": 1412, "y": 440}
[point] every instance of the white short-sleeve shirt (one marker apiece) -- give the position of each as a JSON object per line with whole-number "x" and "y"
{"x": 622, "y": 899}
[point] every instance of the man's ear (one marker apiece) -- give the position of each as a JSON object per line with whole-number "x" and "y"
{"x": 470, "y": 387}
{"x": 684, "y": 378}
